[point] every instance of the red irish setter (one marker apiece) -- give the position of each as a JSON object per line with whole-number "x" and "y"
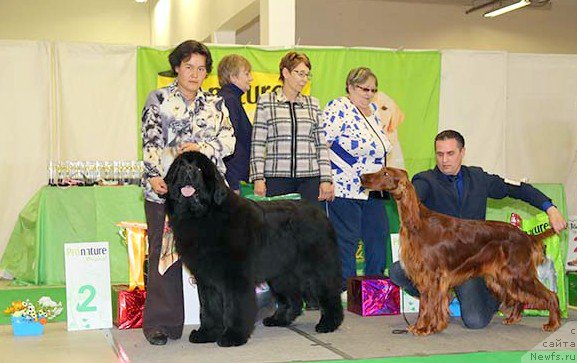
{"x": 439, "y": 252}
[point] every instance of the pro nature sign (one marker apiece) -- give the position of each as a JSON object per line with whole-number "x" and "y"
{"x": 88, "y": 300}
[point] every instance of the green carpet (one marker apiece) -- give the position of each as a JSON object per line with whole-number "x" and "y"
{"x": 481, "y": 357}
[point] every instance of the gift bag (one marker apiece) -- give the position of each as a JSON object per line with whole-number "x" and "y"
{"x": 551, "y": 272}
{"x": 372, "y": 295}
{"x": 127, "y": 307}
{"x": 134, "y": 237}
{"x": 571, "y": 264}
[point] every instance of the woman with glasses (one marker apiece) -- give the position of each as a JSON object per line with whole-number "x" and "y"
{"x": 288, "y": 152}
{"x": 357, "y": 145}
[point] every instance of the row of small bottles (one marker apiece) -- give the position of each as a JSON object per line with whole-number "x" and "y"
{"x": 86, "y": 173}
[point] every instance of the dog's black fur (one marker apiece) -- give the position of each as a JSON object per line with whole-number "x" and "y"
{"x": 230, "y": 243}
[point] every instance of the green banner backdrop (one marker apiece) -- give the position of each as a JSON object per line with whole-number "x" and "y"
{"x": 411, "y": 78}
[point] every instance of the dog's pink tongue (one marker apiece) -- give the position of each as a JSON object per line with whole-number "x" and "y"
{"x": 187, "y": 191}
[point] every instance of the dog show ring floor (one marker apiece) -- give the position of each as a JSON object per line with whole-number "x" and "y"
{"x": 359, "y": 339}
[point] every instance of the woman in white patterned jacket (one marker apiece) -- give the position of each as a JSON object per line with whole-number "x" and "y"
{"x": 175, "y": 119}
{"x": 357, "y": 145}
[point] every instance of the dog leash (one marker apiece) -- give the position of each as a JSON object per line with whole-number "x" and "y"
{"x": 402, "y": 331}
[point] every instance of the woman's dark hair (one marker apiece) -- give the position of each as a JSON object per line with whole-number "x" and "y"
{"x": 184, "y": 50}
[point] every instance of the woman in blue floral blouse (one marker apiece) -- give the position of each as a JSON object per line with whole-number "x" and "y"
{"x": 357, "y": 145}
{"x": 175, "y": 119}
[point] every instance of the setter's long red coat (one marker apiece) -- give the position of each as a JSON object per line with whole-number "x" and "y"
{"x": 439, "y": 252}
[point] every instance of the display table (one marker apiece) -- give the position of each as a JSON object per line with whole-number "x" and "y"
{"x": 55, "y": 216}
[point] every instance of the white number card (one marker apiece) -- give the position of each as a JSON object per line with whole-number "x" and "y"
{"x": 191, "y": 301}
{"x": 88, "y": 300}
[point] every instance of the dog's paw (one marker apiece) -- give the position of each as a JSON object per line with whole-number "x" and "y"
{"x": 325, "y": 328}
{"x": 231, "y": 339}
{"x": 511, "y": 320}
{"x": 273, "y": 321}
{"x": 551, "y": 326}
{"x": 421, "y": 331}
{"x": 202, "y": 336}
{"x": 327, "y": 325}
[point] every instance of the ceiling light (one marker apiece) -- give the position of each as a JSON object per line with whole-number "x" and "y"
{"x": 141, "y": 1}
{"x": 519, "y": 4}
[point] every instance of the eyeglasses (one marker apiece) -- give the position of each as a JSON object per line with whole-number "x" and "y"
{"x": 365, "y": 89}
{"x": 303, "y": 74}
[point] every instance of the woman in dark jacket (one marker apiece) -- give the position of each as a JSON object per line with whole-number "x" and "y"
{"x": 234, "y": 78}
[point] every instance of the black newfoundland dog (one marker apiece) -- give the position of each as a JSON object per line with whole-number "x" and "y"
{"x": 230, "y": 243}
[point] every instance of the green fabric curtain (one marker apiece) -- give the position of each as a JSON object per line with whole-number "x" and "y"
{"x": 412, "y": 79}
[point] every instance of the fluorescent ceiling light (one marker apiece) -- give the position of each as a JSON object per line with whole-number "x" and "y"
{"x": 506, "y": 9}
{"x": 141, "y": 1}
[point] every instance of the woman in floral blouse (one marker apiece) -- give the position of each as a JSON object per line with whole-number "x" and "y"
{"x": 357, "y": 145}
{"x": 175, "y": 119}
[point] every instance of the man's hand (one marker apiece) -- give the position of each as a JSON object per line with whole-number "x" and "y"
{"x": 556, "y": 220}
{"x": 326, "y": 191}
{"x": 158, "y": 185}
